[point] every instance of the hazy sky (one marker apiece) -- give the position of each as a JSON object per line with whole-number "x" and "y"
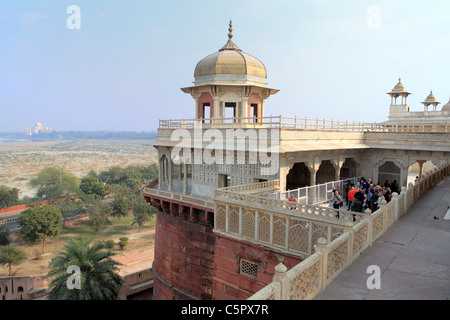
{"x": 124, "y": 68}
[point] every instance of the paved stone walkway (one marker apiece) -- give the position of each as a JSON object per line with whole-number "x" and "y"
{"x": 413, "y": 256}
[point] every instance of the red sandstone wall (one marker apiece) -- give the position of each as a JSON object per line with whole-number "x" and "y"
{"x": 204, "y": 98}
{"x": 184, "y": 255}
{"x": 254, "y": 99}
{"x": 228, "y": 284}
{"x": 191, "y": 262}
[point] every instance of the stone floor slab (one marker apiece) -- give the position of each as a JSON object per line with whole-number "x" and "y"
{"x": 413, "y": 256}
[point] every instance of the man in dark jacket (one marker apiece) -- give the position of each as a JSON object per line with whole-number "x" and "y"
{"x": 374, "y": 199}
{"x": 359, "y": 195}
{"x": 357, "y": 205}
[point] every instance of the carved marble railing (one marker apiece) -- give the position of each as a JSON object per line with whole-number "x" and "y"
{"x": 330, "y": 258}
{"x": 296, "y": 123}
{"x": 272, "y": 122}
{"x": 238, "y": 196}
{"x": 254, "y": 187}
{"x": 180, "y": 197}
{"x": 280, "y": 224}
{"x": 291, "y": 232}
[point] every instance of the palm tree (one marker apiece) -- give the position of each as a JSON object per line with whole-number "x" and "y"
{"x": 97, "y": 276}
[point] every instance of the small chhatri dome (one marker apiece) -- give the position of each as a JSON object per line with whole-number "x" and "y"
{"x": 230, "y": 65}
{"x": 399, "y": 91}
{"x": 431, "y": 97}
{"x": 399, "y": 86}
{"x": 430, "y": 101}
{"x": 447, "y": 106}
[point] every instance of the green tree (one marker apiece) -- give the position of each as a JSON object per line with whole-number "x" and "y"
{"x": 99, "y": 190}
{"x": 122, "y": 243}
{"x": 60, "y": 188}
{"x": 148, "y": 173}
{"x": 91, "y": 186}
{"x": 8, "y": 196}
{"x": 134, "y": 186}
{"x": 142, "y": 212}
{"x": 39, "y": 224}
{"x": 92, "y": 174}
{"x": 98, "y": 275}
{"x": 131, "y": 172}
{"x": 11, "y": 255}
{"x": 109, "y": 244}
{"x": 54, "y": 183}
{"x": 113, "y": 175}
{"x": 4, "y": 235}
{"x": 70, "y": 205}
{"x": 99, "y": 216}
{"x": 118, "y": 175}
{"x": 87, "y": 184}
{"x": 120, "y": 207}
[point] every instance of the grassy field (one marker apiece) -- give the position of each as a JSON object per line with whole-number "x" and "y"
{"x": 37, "y": 262}
{"x": 116, "y": 228}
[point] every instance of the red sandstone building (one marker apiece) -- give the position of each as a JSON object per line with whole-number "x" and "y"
{"x": 219, "y": 234}
{"x": 191, "y": 260}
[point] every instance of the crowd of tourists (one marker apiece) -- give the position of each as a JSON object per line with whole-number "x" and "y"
{"x": 364, "y": 194}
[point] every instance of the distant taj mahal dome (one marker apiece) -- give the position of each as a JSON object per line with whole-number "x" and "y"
{"x": 37, "y": 129}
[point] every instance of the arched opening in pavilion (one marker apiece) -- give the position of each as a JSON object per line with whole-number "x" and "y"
{"x": 349, "y": 169}
{"x": 326, "y": 172}
{"x": 419, "y": 168}
{"x": 388, "y": 174}
{"x": 298, "y": 177}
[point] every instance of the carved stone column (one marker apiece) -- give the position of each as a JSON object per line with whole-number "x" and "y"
{"x": 185, "y": 169}
{"x": 284, "y": 171}
{"x": 313, "y": 167}
{"x": 337, "y": 164}
{"x": 166, "y": 171}
{"x": 170, "y": 173}
{"x": 160, "y": 173}
{"x": 421, "y": 162}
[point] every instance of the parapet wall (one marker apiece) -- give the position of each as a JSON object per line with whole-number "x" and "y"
{"x": 311, "y": 276}
{"x": 184, "y": 259}
{"x": 242, "y": 268}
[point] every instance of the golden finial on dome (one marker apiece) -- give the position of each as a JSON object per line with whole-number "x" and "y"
{"x": 399, "y": 86}
{"x": 431, "y": 96}
{"x": 230, "y": 45}
{"x": 230, "y": 29}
